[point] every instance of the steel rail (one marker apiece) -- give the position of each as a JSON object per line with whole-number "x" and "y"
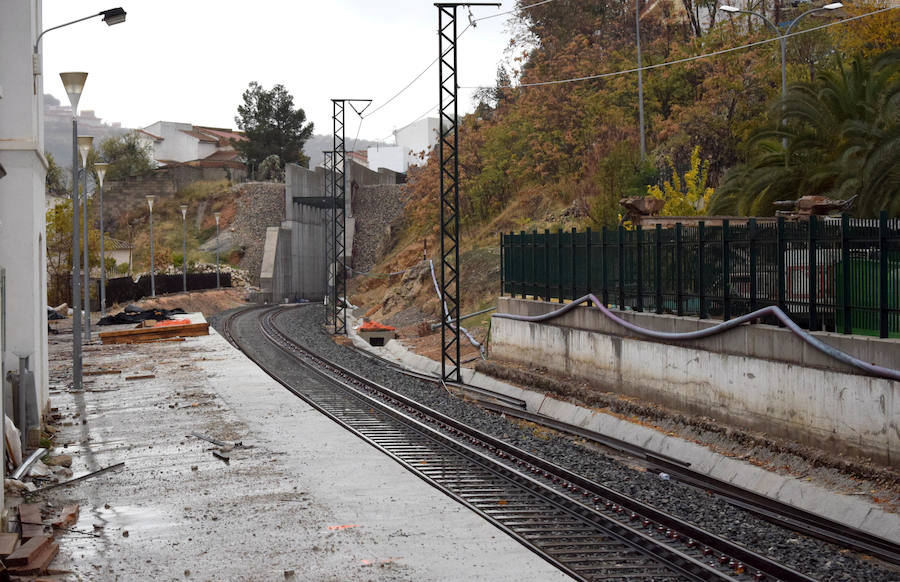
{"x": 605, "y": 501}
{"x": 588, "y": 545}
{"x": 594, "y": 528}
{"x": 778, "y": 512}
{"x": 772, "y": 510}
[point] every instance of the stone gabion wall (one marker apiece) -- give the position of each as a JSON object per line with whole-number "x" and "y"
{"x": 378, "y": 210}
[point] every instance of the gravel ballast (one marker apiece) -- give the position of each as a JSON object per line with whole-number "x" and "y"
{"x": 812, "y": 557}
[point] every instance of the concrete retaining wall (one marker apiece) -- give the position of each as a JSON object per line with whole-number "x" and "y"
{"x": 758, "y": 377}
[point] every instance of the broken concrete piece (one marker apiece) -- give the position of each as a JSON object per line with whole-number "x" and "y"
{"x": 62, "y": 460}
{"x": 68, "y": 516}
{"x": 39, "y": 469}
{"x": 16, "y": 487}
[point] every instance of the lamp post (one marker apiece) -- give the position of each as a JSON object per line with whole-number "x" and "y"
{"x": 74, "y": 85}
{"x": 150, "y": 199}
{"x": 640, "y": 63}
{"x": 110, "y": 17}
{"x": 782, "y": 38}
{"x": 84, "y": 148}
{"x": 100, "y": 171}
{"x": 184, "y": 209}
{"x": 217, "y": 215}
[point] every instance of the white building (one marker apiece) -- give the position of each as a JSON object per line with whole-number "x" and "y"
{"x": 22, "y": 205}
{"x": 173, "y": 142}
{"x": 412, "y": 144}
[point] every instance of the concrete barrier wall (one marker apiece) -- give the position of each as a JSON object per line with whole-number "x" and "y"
{"x": 758, "y": 377}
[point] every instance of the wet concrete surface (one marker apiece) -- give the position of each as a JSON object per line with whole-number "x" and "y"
{"x": 302, "y": 499}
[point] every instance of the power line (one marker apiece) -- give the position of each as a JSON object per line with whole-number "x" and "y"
{"x": 429, "y": 110}
{"x": 416, "y": 78}
{"x": 513, "y": 10}
{"x": 434, "y": 62}
{"x": 688, "y": 59}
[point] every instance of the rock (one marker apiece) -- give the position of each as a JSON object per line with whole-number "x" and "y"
{"x": 59, "y": 461}
{"x": 39, "y": 469}
{"x": 16, "y": 487}
{"x": 63, "y": 472}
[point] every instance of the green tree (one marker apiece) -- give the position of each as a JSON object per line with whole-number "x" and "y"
{"x": 56, "y": 183}
{"x": 842, "y": 134}
{"x": 127, "y": 156}
{"x": 272, "y": 126}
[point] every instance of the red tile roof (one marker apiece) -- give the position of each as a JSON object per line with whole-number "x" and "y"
{"x": 156, "y": 137}
{"x": 200, "y": 136}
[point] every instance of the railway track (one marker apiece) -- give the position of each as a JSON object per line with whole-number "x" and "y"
{"x": 772, "y": 510}
{"x": 584, "y": 529}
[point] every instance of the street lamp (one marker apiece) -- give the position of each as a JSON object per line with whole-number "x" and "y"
{"x": 110, "y": 17}
{"x": 150, "y": 199}
{"x": 74, "y": 85}
{"x": 100, "y": 171}
{"x": 84, "y": 148}
{"x": 217, "y": 215}
{"x": 184, "y": 209}
{"x": 782, "y": 38}
{"x": 637, "y": 28}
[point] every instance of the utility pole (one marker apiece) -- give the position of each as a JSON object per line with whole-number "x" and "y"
{"x": 339, "y": 216}
{"x": 330, "y": 313}
{"x": 449, "y": 157}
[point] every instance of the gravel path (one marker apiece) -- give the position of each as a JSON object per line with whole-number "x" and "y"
{"x": 814, "y": 558}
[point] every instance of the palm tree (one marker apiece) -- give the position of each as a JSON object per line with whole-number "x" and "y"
{"x": 842, "y": 138}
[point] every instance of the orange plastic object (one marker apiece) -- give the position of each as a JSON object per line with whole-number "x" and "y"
{"x": 168, "y": 322}
{"x": 375, "y": 326}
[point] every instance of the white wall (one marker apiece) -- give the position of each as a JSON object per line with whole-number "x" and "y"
{"x": 390, "y": 157}
{"x": 22, "y": 232}
{"x": 758, "y": 377}
{"x": 176, "y": 145}
{"x": 416, "y": 138}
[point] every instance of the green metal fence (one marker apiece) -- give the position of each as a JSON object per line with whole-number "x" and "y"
{"x": 833, "y": 273}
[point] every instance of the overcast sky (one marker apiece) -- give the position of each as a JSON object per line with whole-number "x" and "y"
{"x": 190, "y": 60}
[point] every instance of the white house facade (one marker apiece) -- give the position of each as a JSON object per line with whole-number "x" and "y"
{"x": 411, "y": 141}
{"x": 22, "y": 205}
{"x": 171, "y": 142}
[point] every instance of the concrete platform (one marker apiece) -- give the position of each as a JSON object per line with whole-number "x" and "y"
{"x": 850, "y": 509}
{"x": 302, "y": 499}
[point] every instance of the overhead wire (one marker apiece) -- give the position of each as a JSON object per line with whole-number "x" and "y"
{"x": 434, "y": 62}
{"x": 689, "y": 59}
{"x": 513, "y": 10}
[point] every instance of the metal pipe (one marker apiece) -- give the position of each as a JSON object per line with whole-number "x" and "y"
{"x": 22, "y": 469}
{"x": 772, "y": 310}
{"x": 434, "y": 326}
{"x": 23, "y": 412}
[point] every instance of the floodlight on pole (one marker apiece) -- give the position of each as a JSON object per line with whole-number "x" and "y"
{"x": 184, "y": 209}
{"x": 782, "y": 39}
{"x": 74, "y": 85}
{"x": 217, "y": 215}
{"x": 100, "y": 171}
{"x": 84, "y": 148}
{"x": 150, "y": 199}
{"x": 110, "y": 17}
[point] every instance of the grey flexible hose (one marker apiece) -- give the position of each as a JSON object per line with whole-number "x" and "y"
{"x": 772, "y": 310}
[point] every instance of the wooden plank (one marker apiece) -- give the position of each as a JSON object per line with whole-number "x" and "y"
{"x": 39, "y": 562}
{"x": 27, "y": 551}
{"x": 30, "y": 513}
{"x": 141, "y": 377}
{"x": 8, "y": 544}
{"x": 131, "y": 335}
{"x": 31, "y": 531}
{"x": 100, "y": 372}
